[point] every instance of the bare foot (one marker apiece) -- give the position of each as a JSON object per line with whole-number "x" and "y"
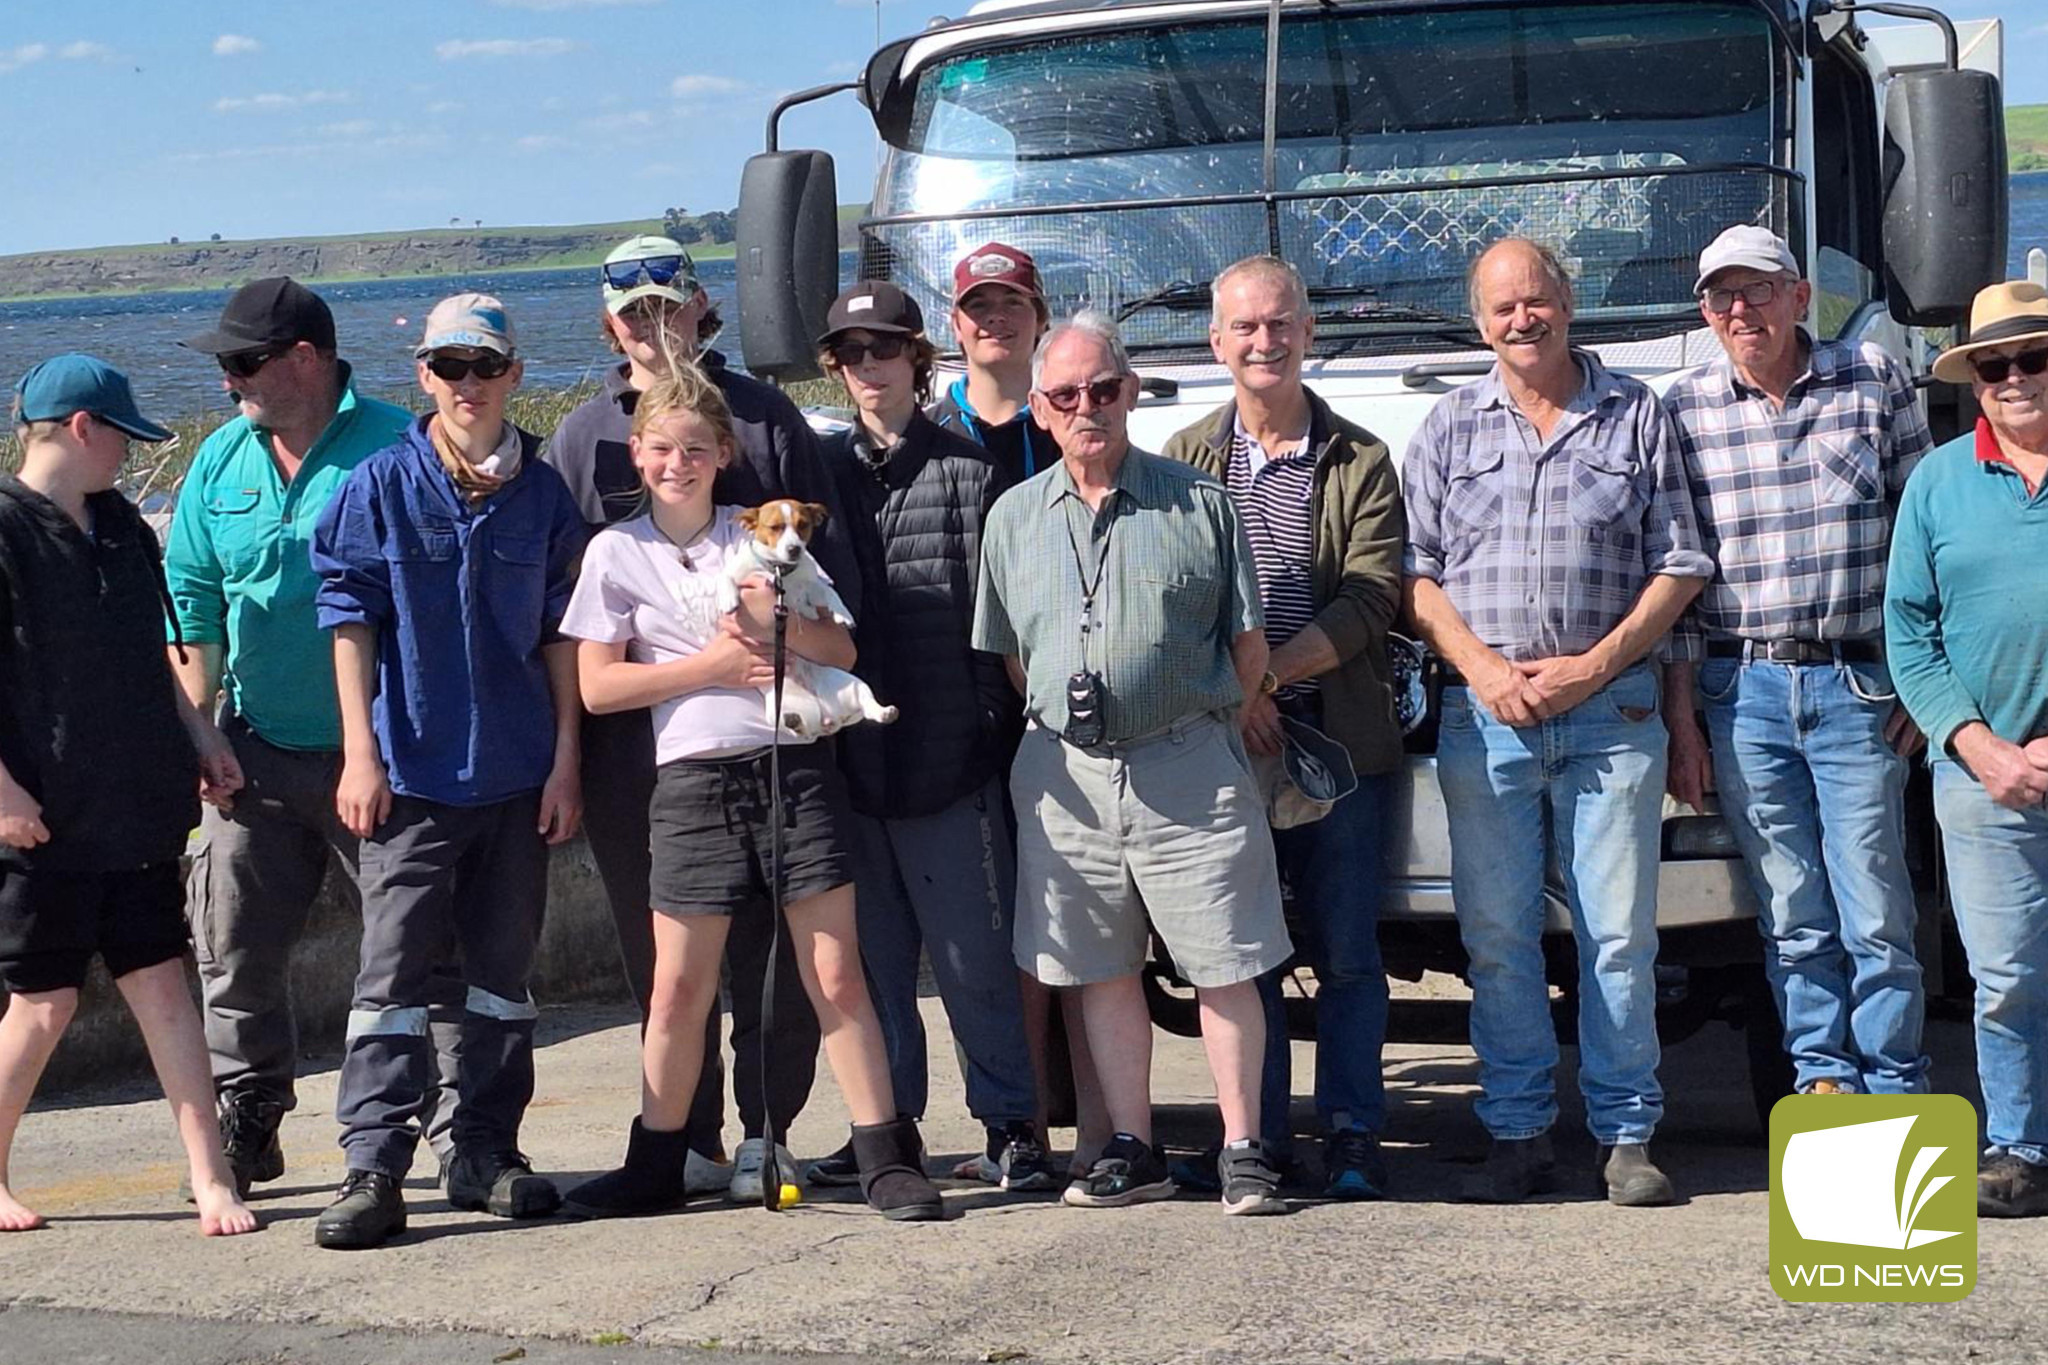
{"x": 220, "y": 1213}
{"x": 16, "y": 1216}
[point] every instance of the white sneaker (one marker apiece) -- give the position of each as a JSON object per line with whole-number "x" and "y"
{"x": 747, "y": 1164}
{"x": 702, "y": 1175}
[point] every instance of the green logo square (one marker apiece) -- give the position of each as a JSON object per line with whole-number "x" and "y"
{"x": 1873, "y": 1198}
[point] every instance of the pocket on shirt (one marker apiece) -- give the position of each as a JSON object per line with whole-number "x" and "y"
{"x": 1189, "y": 603}
{"x": 1603, "y": 491}
{"x": 523, "y": 550}
{"x": 423, "y": 542}
{"x": 1849, "y": 469}
{"x": 231, "y": 518}
{"x": 1472, "y": 498}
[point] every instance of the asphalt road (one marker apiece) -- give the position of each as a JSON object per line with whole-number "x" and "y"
{"x": 1567, "y": 1279}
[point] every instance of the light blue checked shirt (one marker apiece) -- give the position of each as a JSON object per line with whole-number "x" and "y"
{"x": 1542, "y": 547}
{"x": 1796, "y": 506}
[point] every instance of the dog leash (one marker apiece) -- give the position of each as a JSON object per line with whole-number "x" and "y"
{"x": 771, "y": 1174}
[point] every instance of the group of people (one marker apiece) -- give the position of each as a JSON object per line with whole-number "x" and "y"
{"x": 434, "y": 645}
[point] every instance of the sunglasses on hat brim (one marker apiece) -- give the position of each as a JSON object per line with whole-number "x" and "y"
{"x": 648, "y": 270}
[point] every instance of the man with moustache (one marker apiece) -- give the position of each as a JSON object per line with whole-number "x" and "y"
{"x": 1797, "y": 451}
{"x": 242, "y": 587}
{"x": 1322, "y": 507}
{"x": 1551, "y": 546}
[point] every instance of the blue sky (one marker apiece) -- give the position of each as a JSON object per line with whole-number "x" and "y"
{"x": 137, "y": 120}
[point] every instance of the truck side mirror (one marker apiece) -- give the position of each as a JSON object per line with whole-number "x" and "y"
{"x": 788, "y": 262}
{"x": 1945, "y": 193}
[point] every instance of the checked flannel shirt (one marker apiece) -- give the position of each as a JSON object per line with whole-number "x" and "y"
{"x": 1796, "y": 507}
{"x": 1544, "y": 546}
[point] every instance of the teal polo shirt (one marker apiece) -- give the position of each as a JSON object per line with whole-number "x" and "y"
{"x": 240, "y": 570}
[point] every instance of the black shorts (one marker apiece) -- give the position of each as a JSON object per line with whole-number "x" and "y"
{"x": 708, "y": 828}
{"x": 51, "y": 923}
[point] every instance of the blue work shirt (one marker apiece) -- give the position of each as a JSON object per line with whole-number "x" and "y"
{"x": 462, "y": 598}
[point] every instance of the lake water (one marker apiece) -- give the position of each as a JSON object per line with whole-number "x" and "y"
{"x": 379, "y": 321}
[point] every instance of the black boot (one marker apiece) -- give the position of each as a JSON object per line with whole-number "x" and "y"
{"x": 892, "y": 1172}
{"x": 500, "y": 1183}
{"x": 652, "y": 1180}
{"x": 368, "y": 1212}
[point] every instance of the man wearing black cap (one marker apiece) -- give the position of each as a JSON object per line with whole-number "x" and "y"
{"x": 934, "y": 857}
{"x": 241, "y": 586}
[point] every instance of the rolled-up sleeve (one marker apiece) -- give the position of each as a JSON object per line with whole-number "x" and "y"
{"x": 1671, "y": 532}
{"x": 1422, "y": 488}
{"x": 1243, "y": 610}
{"x": 193, "y": 572}
{"x": 348, "y": 555}
{"x": 1906, "y": 423}
{"x": 1926, "y": 681}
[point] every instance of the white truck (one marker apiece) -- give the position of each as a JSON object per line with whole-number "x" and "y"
{"x": 1135, "y": 147}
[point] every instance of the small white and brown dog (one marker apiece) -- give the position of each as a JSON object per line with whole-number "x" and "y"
{"x": 816, "y": 699}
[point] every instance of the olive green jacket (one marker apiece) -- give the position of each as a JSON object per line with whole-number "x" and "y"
{"x": 1360, "y": 531}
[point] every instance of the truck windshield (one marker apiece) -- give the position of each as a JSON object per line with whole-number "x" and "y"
{"x": 1130, "y": 160}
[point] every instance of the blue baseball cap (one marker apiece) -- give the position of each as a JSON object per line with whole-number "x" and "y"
{"x": 65, "y": 384}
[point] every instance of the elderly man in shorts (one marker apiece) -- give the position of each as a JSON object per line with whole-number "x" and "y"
{"x": 1120, "y": 589}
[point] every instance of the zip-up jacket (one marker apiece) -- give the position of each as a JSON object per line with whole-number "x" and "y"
{"x": 1020, "y": 447}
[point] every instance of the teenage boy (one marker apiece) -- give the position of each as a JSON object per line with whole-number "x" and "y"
{"x": 101, "y": 763}
{"x": 999, "y": 313}
{"x": 445, "y": 565}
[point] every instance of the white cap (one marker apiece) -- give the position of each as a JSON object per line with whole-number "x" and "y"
{"x": 1758, "y": 248}
{"x": 477, "y": 321}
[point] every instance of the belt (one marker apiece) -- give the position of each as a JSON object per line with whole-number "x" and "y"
{"x": 1864, "y": 651}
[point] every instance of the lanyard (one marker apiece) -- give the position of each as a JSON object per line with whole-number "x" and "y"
{"x": 981, "y": 429}
{"x": 1089, "y": 590}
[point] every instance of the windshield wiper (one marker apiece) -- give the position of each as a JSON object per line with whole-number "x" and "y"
{"x": 1361, "y": 303}
{"x": 1179, "y": 296}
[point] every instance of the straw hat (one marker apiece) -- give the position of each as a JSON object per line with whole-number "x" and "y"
{"x": 2000, "y": 314}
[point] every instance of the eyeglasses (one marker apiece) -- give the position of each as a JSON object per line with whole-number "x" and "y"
{"x": 851, "y": 353}
{"x": 1756, "y": 294}
{"x": 1994, "y": 369}
{"x": 454, "y": 368}
{"x": 242, "y": 364}
{"x": 652, "y": 269}
{"x": 1101, "y": 393}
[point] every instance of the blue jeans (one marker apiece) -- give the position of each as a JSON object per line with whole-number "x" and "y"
{"x": 1589, "y": 785}
{"x": 1815, "y": 797}
{"x": 1336, "y": 869}
{"x": 1998, "y": 878}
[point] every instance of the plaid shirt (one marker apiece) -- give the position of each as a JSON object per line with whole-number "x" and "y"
{"x": 1796, "y": 506}
{"x": 1544, "y": 546}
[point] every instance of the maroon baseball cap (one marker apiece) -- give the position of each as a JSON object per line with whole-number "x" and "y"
{"x": 997, "y": 263}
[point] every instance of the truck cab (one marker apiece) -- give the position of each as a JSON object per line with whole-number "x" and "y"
{"x": 1136, "y": 147}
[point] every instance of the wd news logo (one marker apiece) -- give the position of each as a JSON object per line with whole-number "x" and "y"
{"x": 1873, "y": 1198}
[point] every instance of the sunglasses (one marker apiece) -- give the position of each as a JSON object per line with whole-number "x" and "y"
{"x": 454, "y": 368}
{"x": 652, "y": 269}
{"x": 1101, "y": 393}
{"x": 1756, "y": 294}
{"x": 851, "y": 353}
{"x": 243, "y": 364}
{"x": 1994, "y": 369}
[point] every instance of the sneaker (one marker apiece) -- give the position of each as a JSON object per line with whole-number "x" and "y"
{"x": 1198, "y": 1174}
{"x": 837, "y": 1171}
{"x": 1250, "y": 1184}
{"x": 1514, "y": 1169}
{"x": 705, "y": 1175}
{"x": 1014, "y": 1160}
{"x": 2011, "y": 1186}
{"x": 1353, "y": 1167}
{"x": 368, "y": 1212}
{"x": 1631, "y": 1179}
{"x": 500, "y": 1183}
{"x": 749, "y": 1162}
{"x": 1129, "y": 1171}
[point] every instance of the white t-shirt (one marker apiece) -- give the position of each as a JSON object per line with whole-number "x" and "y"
{"x": 637, "y": 587}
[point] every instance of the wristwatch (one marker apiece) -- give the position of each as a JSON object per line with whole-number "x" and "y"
{"x": 1269, "y": 684}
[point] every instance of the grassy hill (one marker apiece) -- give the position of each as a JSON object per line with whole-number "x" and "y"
{"x": 2026, "y": 136}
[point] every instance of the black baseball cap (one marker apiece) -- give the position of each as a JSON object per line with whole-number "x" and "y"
{"x": 273, "y": 312}
{"x": 874, "y": 306}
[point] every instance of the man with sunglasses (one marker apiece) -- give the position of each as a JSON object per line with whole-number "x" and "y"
{"x": 242, "y": 586}
{"x": 1967, "y": 627}
{"x": 1796, "y": 451}
{"x": 445, "y": 569}
{"x": 1120, "y": 589}
{"x": 657, "y": 316}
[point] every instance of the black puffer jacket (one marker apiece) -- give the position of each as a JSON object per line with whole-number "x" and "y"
{"x": 918, "y": 511}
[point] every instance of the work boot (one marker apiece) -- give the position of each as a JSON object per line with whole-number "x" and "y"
{"x": 892, "y": 1172}
{"x": 2011, "y": 1186}
{"x": 655, "y": 1179}
{"x": 248, "y": 1136}
{"x": 501, "y": 1183}
{"x": 368, "y": 1212}
{"x": 1514, "y": 1169}
{"x": 1828, "y": 1086}
{"x": 842, "y": 1168}
{"x": 1631, "y": 1179}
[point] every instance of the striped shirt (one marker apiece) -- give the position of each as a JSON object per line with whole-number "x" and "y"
{"x": 1177, "y": 588}
{"x": 1796, "y": 506}
{"x": 1543, "y": 546}
{"x": 1275, "y": 496}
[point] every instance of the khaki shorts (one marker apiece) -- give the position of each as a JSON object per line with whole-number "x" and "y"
{"x": 1171, "y": 826}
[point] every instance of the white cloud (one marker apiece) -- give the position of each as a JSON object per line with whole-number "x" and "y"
{"x": 15, "y": 58}
{"x": 273, "y": 101}
{"x": 456, "y": 49}
{"x": 541, "y": 142}
{"x": 86, "y": 52}
{"x": 443, "y": 107}
{"x": 551, "y": 6}
{"x": 235, "y": 45}
{"x": 619, "y": 123}
{"x": 689, "y": 87}
{"x": 348, "y": 128}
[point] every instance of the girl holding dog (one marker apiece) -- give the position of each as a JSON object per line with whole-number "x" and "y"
{"x": 645, "y": 609}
